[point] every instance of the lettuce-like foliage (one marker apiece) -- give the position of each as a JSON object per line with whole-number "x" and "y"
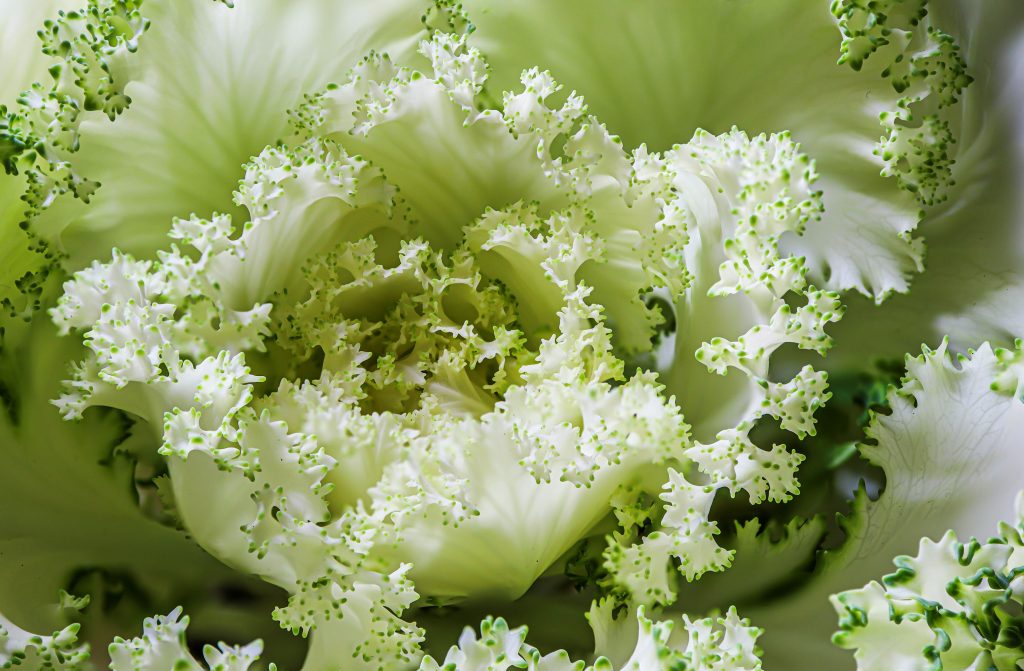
{"x": 404, "y": 370}
{"x": 953, "y": 606}
{"x": 451, "y": 336}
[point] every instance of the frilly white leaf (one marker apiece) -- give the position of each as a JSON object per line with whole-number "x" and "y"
{"x": 951, "y": 606}
{"x": 163, "y": 646}
{"x": 950, "y": 450}
{"x": 60, "y": 651}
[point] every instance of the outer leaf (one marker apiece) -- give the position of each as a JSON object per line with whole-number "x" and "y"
{"x": 24, "y": 63}
{"x": 163, "y": 646}
{"x": 656, "y": 72}
{"x": 209, "y": 87}
{"x": 23, "y": 650}
{"x": 951, "y": 451}
{"x": 974, "y": 280}
{"x": 953, "y": 606}
{"x": 68, "y": 497}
